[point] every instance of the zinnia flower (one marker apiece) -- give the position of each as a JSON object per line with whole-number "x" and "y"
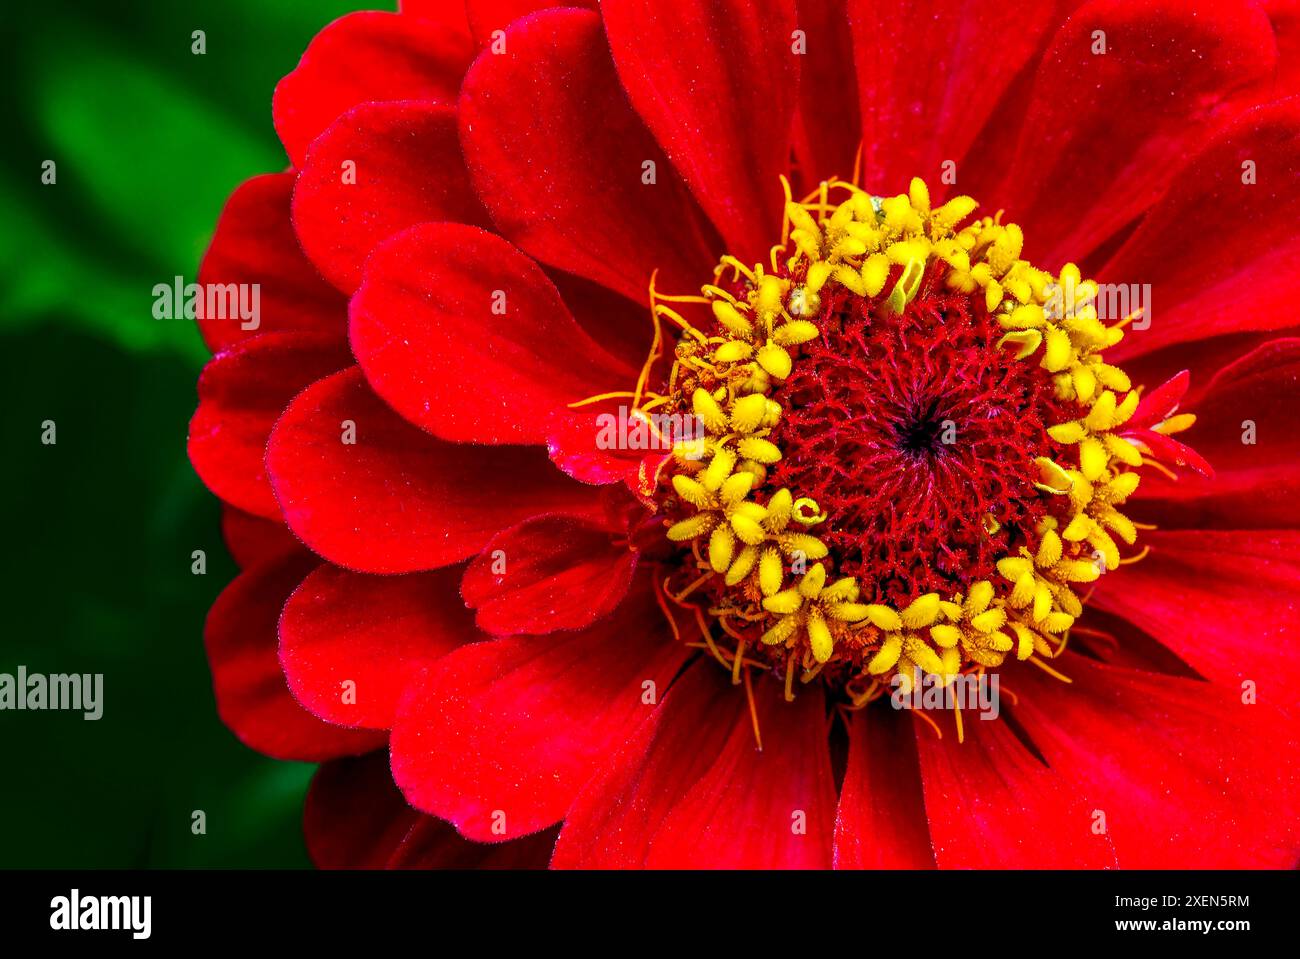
{"x": 645, "y": 398}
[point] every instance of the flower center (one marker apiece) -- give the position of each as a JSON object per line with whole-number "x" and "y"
{"x": 909, "y": 457}
{"x": 918, "y": 434}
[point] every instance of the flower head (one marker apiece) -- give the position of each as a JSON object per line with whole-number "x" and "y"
{"x": 641, "y": 411}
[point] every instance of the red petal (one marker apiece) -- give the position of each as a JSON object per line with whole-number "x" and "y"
{"x": 407, "y": 169}
{"x": 556, "y": 573}
{"x": 242, "y": 392}
{"x": 1262, "y": 498}
{"x": 614, "y": 818}
{"x": 354, "y": 817}
{"x": 505, "y": 733}
{"x": 450, "y": 17}
{"x": 252, "y": 539}
{"x": 1105, "y": 131}
{"x": 1224, "y": 601}
{"x": 620, "y": 326}
{"x": 828, "y": 128}
{"x": 1175, "y": 454}
{"x": 557, "y": 156}
{"x": 881, "y": 821}
{"x": 399, "y": 500}
{"x": 1160, "y": 403}
{"x": 1256, "y": 485}
{"x": 252, "y": 696}
{"x": 1187, "y": 775}
{"x": 434, "y": 844}
{"x": 426, "y": 329}
{"x": 1205, "y": 357}
{"x": 364, "y": 57}
{"x": 992, "y": 804}
{"x": 603, "y": 443}
{"x": 716, "y": 82}
{"x": 488, "y": 16}
{"x": 254, "y": 243}
{"x": 769, "y": 809}
{"x": 1239, "y": 273}
{"x": 374, "y": 632}
{"x": 915, "y": 119}
{"x": 1285, "y": 17}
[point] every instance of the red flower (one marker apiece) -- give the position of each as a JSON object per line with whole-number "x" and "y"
{"x": 443, "y": 557}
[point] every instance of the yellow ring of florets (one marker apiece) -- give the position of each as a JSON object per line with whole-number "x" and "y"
{"x": 856, "y": 244}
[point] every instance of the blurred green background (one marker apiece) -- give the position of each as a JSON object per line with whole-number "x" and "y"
{"x": 148, "y": 139}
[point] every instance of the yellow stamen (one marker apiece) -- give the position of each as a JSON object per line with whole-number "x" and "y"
{"x": 756, "y": 323}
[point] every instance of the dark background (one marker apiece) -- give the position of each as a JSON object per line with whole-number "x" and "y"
{"x": 149, "y": 139}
